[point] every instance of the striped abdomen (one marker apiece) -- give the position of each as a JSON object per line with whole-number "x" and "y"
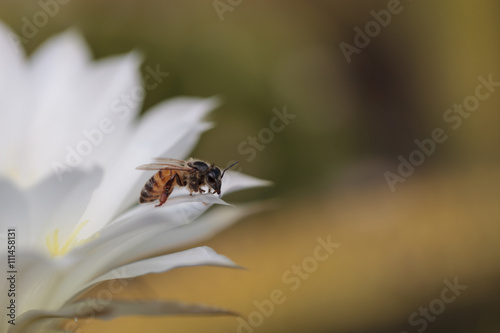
{"x": 154, "y": 187}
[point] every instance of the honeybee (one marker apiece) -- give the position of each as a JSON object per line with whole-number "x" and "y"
{"x": 191, "y": 173}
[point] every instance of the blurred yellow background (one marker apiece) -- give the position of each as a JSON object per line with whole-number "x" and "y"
{"x": 359, "y": 101}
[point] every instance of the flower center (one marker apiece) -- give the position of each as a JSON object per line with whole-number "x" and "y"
{"x": 53, "y": 244}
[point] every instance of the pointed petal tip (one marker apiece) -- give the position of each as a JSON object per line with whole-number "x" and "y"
{"x": 251, "y": 179}
{"x": 67, "y": 44}
{"x": 133, "y": 58}
{"x": 242, "y": 268}
{"x": 72, "y": 34}
{"x": 207, "y": 103}
{"x": 11, "y": 40}
{"x": 215, "y": 101}
{"x": 236, "y": 181}
{"x": 207, "y": 126}
{"x": 138, "y": 55}
{"x": 264, "y": 182}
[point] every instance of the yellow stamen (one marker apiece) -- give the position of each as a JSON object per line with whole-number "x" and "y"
{"x": 14, "y": 173}
{"x": 53, "y": 245}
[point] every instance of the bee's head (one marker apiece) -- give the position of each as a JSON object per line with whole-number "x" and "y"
{"x": 214, "y": 178}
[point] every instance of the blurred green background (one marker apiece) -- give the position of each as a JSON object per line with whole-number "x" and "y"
{"x": 353, "y": 120}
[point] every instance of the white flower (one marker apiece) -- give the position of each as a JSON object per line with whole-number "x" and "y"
{"x": 69, "y": 144}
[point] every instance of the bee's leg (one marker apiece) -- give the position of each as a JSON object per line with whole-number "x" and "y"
{"x": 179, "y": 180}
{"x": 198, "y": 186}
{"x": 193, "y": 187}
{"x": 169, "y": 186}
{"x": 163, "y": 198}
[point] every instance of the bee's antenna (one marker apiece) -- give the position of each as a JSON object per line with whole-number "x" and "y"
{"x": 229, "y": 168}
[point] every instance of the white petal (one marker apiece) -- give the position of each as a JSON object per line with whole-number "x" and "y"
{"x": 116, "y": 308}
{"x": 170, "y": 120}
{"x": 235, "y": 181}
{"x": 59, "y": 205}
{"x": 142, "y": 221}
{"x": 148, "y": 244}
{"x": 97, "y": 98}
{"x": 55, "y": 52}
{"x": 10, "y": 45}
{"x": 37, "y": 280}
{"x": 14, "y": 211}
{"x": 193, "y": 257}
{"x": 60, "y": 62}
{"x": 170, "y": 212}
{"x": 70, "y": 207}
{"x": 14, "y": 113}
{"x": 106, "y": 251}
{"x": 111, "y": 94}
{"x": 204, "y": 227}
{"x": 86, "y": 119}
{"x": 55, "y": 67}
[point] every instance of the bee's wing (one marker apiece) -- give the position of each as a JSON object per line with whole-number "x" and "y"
{"x": 161, "y": 166}
{"x": 171, "y": 161}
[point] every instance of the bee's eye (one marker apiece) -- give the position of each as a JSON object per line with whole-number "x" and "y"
{"x": 211, "y": 177}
